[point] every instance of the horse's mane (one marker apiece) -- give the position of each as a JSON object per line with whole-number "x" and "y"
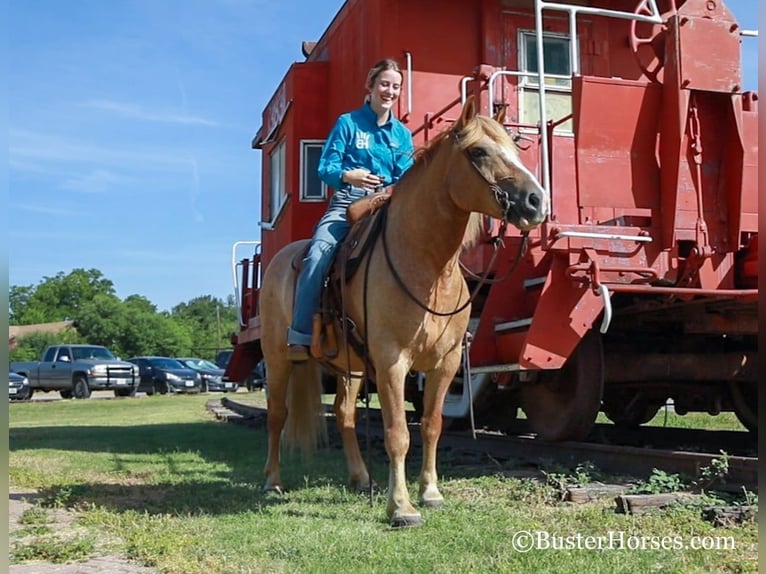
{"x": 470, "y": 133}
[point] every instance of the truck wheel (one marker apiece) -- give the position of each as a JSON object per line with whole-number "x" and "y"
{"x": 80, "y": 388}
{"x": 28, "y": 396}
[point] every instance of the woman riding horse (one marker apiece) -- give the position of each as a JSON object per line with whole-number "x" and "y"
{"x": 418, "y": 314}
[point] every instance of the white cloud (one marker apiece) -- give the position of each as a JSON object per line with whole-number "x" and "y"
{"x": 28, "y": 147}
{"x": 97, "y": 181}
{"x": 136, "y": 112}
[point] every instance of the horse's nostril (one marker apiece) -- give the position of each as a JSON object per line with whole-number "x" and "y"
{"x": 534, "y": 200}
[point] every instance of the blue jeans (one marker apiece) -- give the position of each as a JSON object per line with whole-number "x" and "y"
{"x": 328, "y": 234}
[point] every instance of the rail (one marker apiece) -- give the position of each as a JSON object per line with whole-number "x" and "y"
{"x": 235, "y": 264}
{"x": 573, "y": 11}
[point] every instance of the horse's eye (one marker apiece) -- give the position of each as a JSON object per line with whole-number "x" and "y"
{"x": 477, "y": 153}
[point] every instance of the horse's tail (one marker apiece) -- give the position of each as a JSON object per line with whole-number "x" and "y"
{"x": 305, "y": 427}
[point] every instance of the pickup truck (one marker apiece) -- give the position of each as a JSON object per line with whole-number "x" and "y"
{"x": 76, "y": 370}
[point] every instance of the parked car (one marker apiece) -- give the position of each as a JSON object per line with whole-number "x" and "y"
{"x": 18, "y": 387}
{"x": 211, "y": 375}
{"x": 76, "y": 370}
{"x": 256, "y": 378}
{"x": 222, "y": 358}
{"x": 164, "y": 375}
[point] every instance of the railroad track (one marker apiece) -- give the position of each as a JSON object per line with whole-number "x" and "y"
{"x": 611, "y": 450}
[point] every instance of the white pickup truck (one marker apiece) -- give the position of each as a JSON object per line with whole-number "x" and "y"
{"x": 76, "y": 370}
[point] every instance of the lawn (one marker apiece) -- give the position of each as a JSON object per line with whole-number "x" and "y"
{"x": 167, "y": 485}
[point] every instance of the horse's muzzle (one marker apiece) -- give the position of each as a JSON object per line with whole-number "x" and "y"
{"x": 525, "y": 206}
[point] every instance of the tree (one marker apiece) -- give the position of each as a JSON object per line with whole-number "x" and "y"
{"x": 210, "y": 321}
{"x": 57, "y": 298}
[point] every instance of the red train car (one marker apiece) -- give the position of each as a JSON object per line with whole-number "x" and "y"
{"x": 642, "y": 284}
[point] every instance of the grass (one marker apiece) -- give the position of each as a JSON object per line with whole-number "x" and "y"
{"x": 179, "y": 491}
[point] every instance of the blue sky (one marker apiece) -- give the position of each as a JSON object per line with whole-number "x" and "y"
{"x": 130, "y": 124}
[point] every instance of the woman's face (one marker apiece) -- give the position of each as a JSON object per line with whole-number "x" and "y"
{"x": 385, "y": 90}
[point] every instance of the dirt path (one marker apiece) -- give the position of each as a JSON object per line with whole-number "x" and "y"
{"x": 63, "y": 524}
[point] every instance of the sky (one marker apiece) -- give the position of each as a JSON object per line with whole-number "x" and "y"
{"x": 129, "y": 130}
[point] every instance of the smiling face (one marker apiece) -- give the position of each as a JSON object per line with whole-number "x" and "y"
{"x": 385, "y": 89}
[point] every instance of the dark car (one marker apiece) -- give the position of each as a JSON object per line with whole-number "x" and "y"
{"x": 164, "y": 375}
{"x": 18, "y": 387}
{"x": 222, "y": 358}
{"x": 212, "y": 376}
{"x": 257, "y": 377}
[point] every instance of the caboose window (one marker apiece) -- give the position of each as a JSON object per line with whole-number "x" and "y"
{"x": 277, "y": 194}
{"x": 312, "y": 188}
{"x": 558, "y": 91}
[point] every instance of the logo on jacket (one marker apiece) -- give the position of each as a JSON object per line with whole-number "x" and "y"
{"x": 362, "y": 140}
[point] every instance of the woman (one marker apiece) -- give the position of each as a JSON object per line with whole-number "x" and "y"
{"x": 367, "y": 149}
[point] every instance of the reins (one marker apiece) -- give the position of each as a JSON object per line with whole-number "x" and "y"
{"x": 503, "y": 198}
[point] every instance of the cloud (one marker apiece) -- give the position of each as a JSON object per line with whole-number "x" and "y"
{"x": 29, "y": 147}
{"x": 97, "y": 181}
{"x": 133, "y": 111}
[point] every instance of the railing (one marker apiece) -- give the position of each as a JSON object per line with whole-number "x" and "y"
{"x": 241, "y": 290}
{"x": 573, "y": 11}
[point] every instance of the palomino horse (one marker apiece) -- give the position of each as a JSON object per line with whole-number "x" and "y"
{"x": 417, "y": 324}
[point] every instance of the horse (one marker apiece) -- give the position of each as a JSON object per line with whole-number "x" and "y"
{"x": 411, "y": 304}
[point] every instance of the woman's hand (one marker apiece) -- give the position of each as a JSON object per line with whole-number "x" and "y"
{"x": 361, "y": 177}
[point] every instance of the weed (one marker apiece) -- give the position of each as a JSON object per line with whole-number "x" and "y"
{"x": 659, "y": 482}
{"x": 714, "y": 473}
{"x": 34, "y": 516}
{"x": 52, "y": 549}
{"x": 584, "y": 473}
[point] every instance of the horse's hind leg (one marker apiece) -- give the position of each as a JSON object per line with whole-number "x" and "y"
{"x": 277, "y": 377}
{"x": 345, "y": 416}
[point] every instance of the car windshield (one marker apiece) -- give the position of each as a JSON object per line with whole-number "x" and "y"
{"x": 162, "y": 363}
{"x": 199, "y": 364}
{"x": 92, "y": 353}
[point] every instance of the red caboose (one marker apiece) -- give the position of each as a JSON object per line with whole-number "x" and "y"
{"x": 642, "y": 285}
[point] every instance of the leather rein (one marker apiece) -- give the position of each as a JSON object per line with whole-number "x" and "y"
{"x": 503, "y": 198}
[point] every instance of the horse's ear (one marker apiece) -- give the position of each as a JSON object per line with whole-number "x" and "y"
{"x": 469, "y": 111}
{"x": 500, "y": 115}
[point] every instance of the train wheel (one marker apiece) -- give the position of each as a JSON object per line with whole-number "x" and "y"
{"x": 630, "y": 412}
{"x": 563, "y": 404}
{"x": 744, "y": 398}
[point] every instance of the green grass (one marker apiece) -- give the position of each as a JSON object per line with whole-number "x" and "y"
{"x": 179, "y": 491}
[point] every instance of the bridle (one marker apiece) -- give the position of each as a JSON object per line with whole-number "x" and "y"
{"x": 504, "y": 199}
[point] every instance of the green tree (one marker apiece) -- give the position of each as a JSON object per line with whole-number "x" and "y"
{"x": 57, "y": 298}
{"x": 210, "y": 321}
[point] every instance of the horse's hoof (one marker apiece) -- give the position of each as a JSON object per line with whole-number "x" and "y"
{"x": 406, "y": 521}
{"x": 276, "y": 490}
{"x": 432, "y": 503}
{"x": 365, "y": 488}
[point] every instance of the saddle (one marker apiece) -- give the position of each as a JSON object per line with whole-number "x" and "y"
{"x": 329, "y": 324}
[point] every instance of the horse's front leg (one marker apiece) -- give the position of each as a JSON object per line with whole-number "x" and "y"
{"x": 436, "y": 386}
{"x": 345, "y": 416}
{"x": 399, "y": 509}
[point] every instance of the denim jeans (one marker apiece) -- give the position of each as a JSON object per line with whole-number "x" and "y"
{"x": 328, "y": 234}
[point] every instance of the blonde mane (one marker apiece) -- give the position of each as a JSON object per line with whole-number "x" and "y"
{"x": 471, "y": 133}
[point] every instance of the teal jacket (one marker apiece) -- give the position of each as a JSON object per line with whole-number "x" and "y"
{"x": 356, "y": 140}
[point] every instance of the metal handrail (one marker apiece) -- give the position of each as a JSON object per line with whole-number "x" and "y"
{"x": 573, "y": 12}
{"x": 235, "y": 277}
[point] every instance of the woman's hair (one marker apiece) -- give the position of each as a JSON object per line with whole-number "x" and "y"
{"x": 379, "y": 68}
